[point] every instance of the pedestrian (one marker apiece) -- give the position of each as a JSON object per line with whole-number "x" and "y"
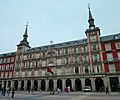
{"x": 13, "y": 92}
{"x": 107, "y": 91}
{"x": 8, "y": 90}
{"x": 29, "y": 90}
{"x": 2, "y": 91}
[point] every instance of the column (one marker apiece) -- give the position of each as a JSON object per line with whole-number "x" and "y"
{"x": 83, "y": 83}
{"x": 25, "y": 84}
{"x": 55, "y": 84}
{"x": 19, "y": 84}
{"x": 47, "y": 85}
{"x": 64, "y": 85}
{"x": 38, "y": 85}
{"x": 93, "y": 84}
{"x": 73, "y": 84}
{"x": 32, "y": 84}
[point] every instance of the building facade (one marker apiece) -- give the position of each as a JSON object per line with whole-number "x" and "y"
{"x": 93, "y": 61}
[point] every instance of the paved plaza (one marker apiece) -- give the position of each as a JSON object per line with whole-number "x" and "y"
{"x": 62, "y": 96}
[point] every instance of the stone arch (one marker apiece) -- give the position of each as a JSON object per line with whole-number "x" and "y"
{"x": 99, "y": 84}
{"x": 35, "y": 85}
{"x": 59, "y": 84}
{"x": 16, "y": 84}
{"x": 22, "y": 85}
{"x": 88, "y": 82}
{"x": 28, "y": 84}
{"x": 51, "y": 85}
{"x": 43, "y": 85}
{"x": 78, "y": 86}
{"x": 69, "y": 83}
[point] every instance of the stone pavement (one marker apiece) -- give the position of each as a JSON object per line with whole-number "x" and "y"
{"x": 24, "y": 95}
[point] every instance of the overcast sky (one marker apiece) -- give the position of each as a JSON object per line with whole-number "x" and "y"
{"x": 56, "y": 20}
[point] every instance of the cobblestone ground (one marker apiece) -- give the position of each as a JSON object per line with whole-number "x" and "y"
{"x": 62, "y": 96}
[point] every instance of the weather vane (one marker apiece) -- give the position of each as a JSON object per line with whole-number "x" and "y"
{"x": 27, "y": 23}
{"x": 88, "y": 6}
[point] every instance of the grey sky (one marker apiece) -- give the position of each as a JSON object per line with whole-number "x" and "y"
{"x": 57, "y": 20}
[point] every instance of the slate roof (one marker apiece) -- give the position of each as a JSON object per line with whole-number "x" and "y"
{"x": 65, "y": 44}
{"x": 8, "y": 54}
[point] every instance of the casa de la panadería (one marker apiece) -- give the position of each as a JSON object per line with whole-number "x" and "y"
{"x": 93, "y": 61}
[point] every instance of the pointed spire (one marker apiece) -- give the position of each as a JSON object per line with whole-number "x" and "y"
{"x": 25, "y": 35}
{"x": 24, "y": 41}
{"x": 91, "y": 20}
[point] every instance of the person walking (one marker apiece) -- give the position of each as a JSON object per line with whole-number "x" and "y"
{"x": 13, "y": 92}
{"x": 107, "y": 91}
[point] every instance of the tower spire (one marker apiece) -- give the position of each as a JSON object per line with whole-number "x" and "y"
{"x": 25, "y": 35}
{"x": 91, "y": 20}
{"x": 24, "y": 41}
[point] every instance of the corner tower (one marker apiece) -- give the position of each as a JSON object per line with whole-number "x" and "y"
{"x": 94, "y": 46}
{"x": 24, "y": 44}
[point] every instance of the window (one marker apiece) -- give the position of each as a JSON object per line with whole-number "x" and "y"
{"x": 58, "y": 61}
{"x": 85, "y": 58}
{"x": 109, "y": 57}
{"x": 43, "y": 63}
{"x": 66, "y": 51}
{"x": 12, "y": 59}
{"x": 86, "y": 70}
{"x": 1, "y": 61}
{"x": 116, "y": 37}
{"x": 94, "y": 47}
{"x": 93, "y": 38}
{"x": 58, "y": 52}
{"x": 66, "y": 60}
{"x": 36, "y": 73}
{"x": 112, "y": 68}
{"x": 108, "y": 47}
{"x": 76, "y": 70}
{"x": 97, "y": 69}
{"x": 25, "y": 57}
{"x": 37, "y": 55}
{"x": 118, "y": 55}
{"x": 58, "y": 71}
{"x": 84, "y": 49}
{"x": 95, "y": 57}
{"x": 43, "y": 54}
{"x": 4, "y": 60}
{"x": 43, "y": 73}
{"x": 75, "y": 59}
{"x": 8, "y": 60}
{"x": 117, "y": 45}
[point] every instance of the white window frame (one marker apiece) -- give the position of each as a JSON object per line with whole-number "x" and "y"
{"x": 108, "y": 47}
{"x": 109, "y": 57}
{"x": 112, "y": 68}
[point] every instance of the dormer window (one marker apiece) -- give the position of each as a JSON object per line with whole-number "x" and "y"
{"x": 116, "y": 37}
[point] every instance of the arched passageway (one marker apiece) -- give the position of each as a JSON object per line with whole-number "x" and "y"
{"x": 9, "y": 84}
{"x": 35, "y": 85}
{"x": 16, "y": 84}
{"x": 99, "y": 84}
{"x": 59, "y": 84}
{"x": 5, "y": 84}
{"x": 88, "y": 82}
{"x": 51, "y": 85}
{"x": 43, "y": 85}
{"x": 28, "y": 84}
{"x": 22, "y": 85}
{"x": 78, "y": 86}
{"x": 69, "y": 84}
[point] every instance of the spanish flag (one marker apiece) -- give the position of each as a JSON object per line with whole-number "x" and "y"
{"x": 49, "y": 70}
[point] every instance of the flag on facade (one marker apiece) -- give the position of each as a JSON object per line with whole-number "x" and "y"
{"x": 49, "y": 70}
